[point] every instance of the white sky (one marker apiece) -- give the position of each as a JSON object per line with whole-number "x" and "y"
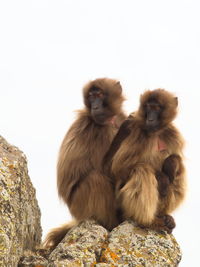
{"x": 49, "y": 49}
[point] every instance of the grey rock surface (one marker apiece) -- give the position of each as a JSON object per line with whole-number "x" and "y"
{"x": 90, "y": 245}
{"x": 20, "y": 227}
{"x": 130, "y": 245}
{"x": 82, "y": 246}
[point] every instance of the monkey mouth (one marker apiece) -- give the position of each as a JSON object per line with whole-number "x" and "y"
{"x": 151, "y": 123}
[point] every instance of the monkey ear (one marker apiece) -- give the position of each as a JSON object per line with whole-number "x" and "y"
{"x": 176, "y": 101}
{"x": 118, "y": 85}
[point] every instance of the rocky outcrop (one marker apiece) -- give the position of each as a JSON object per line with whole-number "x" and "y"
{"x": 89, "y": 245}
{"x": 19, "y": 212}
{"x": 130, "y": 245}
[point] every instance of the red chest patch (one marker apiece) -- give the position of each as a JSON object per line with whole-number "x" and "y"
{"x": 161, "y": 146}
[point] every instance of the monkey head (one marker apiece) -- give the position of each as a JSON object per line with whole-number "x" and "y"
{"x": 103, "y": 99}
{"x": 157, "y": 109}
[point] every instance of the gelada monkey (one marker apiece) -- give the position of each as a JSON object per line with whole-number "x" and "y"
{"x": 80, "y": 180}
{"x": 145, "y": 159}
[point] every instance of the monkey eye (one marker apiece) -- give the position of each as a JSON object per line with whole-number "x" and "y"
{"x": 98, "y": 95}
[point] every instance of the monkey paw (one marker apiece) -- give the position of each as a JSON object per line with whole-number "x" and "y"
{"x": 169, "y": 223}
{"x": 171, "y": 166}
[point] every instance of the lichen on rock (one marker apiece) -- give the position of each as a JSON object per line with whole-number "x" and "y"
{"x": 20, "y": 227}
{"x": 90, "y": 245}
{"x": 82, "y": 246}
{"x": 130, "y": 245}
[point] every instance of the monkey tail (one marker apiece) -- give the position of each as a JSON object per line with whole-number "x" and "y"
{"x": 55, "y": 236}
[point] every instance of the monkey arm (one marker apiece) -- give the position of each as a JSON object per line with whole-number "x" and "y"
{"x": 121, "y": 135}
{"x": 172, "y": 166}
{"x": 72, "y": 173}
{"x": 163, "y": 183}
{"x": 73, "y": 162}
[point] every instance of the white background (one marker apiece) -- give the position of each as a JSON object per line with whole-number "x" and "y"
{"x": 49, "y": 49}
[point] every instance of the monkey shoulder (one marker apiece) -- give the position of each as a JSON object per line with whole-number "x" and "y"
{"x": 81, "y": 126}
{"x": 123, "y": 132}
{"x": 173, "y": 138}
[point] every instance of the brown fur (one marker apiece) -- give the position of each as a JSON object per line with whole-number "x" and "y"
{"x": 137, "y": 161}
{"x": 80, "y": 180}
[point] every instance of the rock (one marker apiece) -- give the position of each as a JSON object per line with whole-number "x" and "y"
{"x": 20, "y": 227}
{"x": 82, "y": 245}
{"x": 90, "y": 245}
{"x": 32, "y": 259}
{"x": 130, "y": 245}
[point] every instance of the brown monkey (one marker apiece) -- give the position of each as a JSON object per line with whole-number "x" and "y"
{"x": 80, "y": 180}
{"x": 145, "y": 159}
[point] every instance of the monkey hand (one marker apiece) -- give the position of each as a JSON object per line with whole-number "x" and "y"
{"x": 163, "y": 183}
{"x": 172, "y": 166}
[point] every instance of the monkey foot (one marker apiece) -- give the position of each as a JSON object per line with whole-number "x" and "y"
{"x": 169, "y": 223}
{"x": 163, "y": 223}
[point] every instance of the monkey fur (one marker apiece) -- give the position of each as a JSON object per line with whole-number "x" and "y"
{"x": 80, "y": 180}
{"x": 145, "y": 159}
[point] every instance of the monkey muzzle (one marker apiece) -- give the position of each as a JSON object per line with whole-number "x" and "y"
{"x": 152, "y": 119}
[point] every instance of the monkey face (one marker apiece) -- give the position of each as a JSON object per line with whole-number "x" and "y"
{"x": 98, "y": 106}
{"x": 157, "y": 109}
{"x": 153, "y": 112}
{"x": 103, "y": 100}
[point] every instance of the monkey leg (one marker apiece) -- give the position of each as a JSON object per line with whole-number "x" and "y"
{"x": 94, "y": 198}
{"x": 139, "y": 196}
